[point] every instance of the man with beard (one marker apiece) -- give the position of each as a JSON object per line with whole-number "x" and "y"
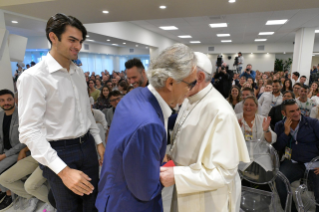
{"x": 10, "y": 145}
{"x": 269, "y": 100}
{"x": 305, "y": 104}
{"x": 135, "y": 73}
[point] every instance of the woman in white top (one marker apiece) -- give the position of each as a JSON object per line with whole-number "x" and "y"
{"x": 253, "y": 125}
{"x": 315, "y": 112}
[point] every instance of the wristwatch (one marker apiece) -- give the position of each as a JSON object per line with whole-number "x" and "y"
{"x": 266, "y": 131}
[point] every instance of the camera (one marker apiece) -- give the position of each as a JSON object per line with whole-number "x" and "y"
{"x": 247, "y": 70}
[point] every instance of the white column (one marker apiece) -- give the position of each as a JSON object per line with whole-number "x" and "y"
{"x": 6, "y": 81}
{"x": 303, "y": 50}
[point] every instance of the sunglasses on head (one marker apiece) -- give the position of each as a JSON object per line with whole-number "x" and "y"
{"x": 191, "y": 84}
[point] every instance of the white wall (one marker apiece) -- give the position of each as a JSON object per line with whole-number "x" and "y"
{"x": 40, "y": 42}
{"x": 100, "y": 49}
{"x": 137, "y": 51}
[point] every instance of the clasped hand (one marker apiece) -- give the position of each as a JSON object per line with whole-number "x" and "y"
{"x": 167, "y": 176}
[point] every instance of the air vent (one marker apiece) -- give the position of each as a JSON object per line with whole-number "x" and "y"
{"x": 211, "y": 48}
{"x": 86, "y": 46}
{"x": 261, "y": 48}
{"x": 216, "y": 17}
{"x": 131, "y": 50}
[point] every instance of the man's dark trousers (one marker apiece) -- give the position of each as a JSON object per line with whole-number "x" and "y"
{"x": 82, "y": 157}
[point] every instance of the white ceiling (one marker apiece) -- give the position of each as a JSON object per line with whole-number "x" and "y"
{"x": 244, "y": 28}
{"x": 191, "y": 17}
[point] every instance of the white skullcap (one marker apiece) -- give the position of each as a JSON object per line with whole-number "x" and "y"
{"x": 204, "y": 62}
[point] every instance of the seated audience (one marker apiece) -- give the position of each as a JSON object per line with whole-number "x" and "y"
{"x": 100, "y": 120}
{"x": 275, "y": 112}
{"x": 303, "y": 80}
{"x": 296, "y": 89}
{"x": 114, "y": 97}
{"x": 253, "y": 125}
{"x": 260, "y": 88}
{"x": 123, "y": 86}
{"x": 315, "y": 112}
{"x": 287, "y": 86}
{"x": 298, "y": 137}
{"x": 245, "y": 92}
{"x": 305, "y": 104}
{"x": 103, "y": 101}
{"x": 241, "y": 82}
{"x": 270, "y": 99}
{"x": 98, "y": 84}
{"x": 235, "y": 79}
{"x": 295, "y": 77}
{"x": 234, "y": 96}
{"x": 223, "y": 80}
{"x": 313, "y": 91}
{"x": 10, "y": 145}
{"x": 130, "y": 88}
{"x": 30, "y": 191}
{"x": 95, "y": 93}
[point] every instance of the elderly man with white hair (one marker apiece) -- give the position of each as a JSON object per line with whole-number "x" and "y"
{"x": 207, "y": 146}
{"x": 130, "y": 176}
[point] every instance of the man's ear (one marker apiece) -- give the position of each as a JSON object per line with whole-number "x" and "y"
{"x": 169, "y": 83}
{"x": 283, "y": 113}
{"x": 54, "y": 39}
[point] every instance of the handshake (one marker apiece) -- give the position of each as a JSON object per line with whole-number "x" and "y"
{"x": 167, "y": 176}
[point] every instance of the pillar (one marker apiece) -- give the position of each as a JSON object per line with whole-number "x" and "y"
{"x": 303, "y": 50}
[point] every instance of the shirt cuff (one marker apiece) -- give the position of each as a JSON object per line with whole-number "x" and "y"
{"x": 57, "y": 165}
{"x": 97, "y": 139}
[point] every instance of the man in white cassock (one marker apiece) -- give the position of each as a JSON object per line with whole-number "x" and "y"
{"x": 207, "y": 146}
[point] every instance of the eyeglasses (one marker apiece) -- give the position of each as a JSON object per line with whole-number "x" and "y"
{"x": 289, "y": 101}
{"x": 190, "y": 85}
{"x": 113, "y": 100}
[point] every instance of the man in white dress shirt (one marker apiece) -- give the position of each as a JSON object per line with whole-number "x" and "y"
{"x": 270, "y": 99}
{"x": 56, "y": 122}
{"x": 207, "y": 147}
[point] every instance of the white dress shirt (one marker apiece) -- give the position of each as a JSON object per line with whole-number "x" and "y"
{"x": 53, "y": 105}
{"x": 166, "y": 110}
{"x": 267, "y": 101}
{"x": 314, "y": 112}
{"x": 100, "y": 118}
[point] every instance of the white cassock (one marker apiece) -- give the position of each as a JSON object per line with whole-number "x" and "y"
{"x": 207, "y": 150}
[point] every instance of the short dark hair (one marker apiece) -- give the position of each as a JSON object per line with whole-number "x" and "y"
{"x": 124, "y": 84}
{"x": 296, "y": 73}
{"x": 297, "y": 83}
{"x": 250, "y": 78}
{"x": 287, "y": 102}
{"x": 304, "y": 86}
{"x": 303, "y": 76}
{"x": 134, "y": 62}
{"x": 32, "y": 63}
{"x": 276, "y": 81}
{"x": 114, "y": 93}
{"x": 6, "y": 91}
{"x": 248, "y": 89}
{"x": 291, "y": 93}
{"x": 59, "y": 21}
{"x": 92, "y": 81}
{"x": 244, "y": 77}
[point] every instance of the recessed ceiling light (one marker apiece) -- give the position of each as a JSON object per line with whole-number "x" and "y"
{"x": 232, "y": 1}
{"x": 136, "y": 45}
{"x": 168, "y": 28}
{"x": 218, "y": 25}
{"x": 124, "y": 43}
{"x": 185, "y": 36}
{"x": 223, "y": 35}
{"x": 194, "y": 41}
{"x": 266, "y": 33}
{"x": 316, "y": 31}
{"x": 276, "y": 22}
{"x": 87, "y": 36}
{"x": 108, "y": 40}
{"x": 105, "y": 11}
{"x": 114, "y": 44}
{"x": 89, "y": 40}
{"x": 14, "y": 22}
{"x": 162, "y": 7}
{"x": 260, "y": 40}
{"x": 226, "y": 41}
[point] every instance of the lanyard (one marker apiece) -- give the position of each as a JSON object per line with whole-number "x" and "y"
{"x": 252, "y": 131}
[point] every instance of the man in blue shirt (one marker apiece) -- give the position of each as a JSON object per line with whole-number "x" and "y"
{"x": 77, "y": 62}
{"x": 249, "y": 72}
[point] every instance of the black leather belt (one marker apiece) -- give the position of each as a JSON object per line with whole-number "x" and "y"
{"x": 67, "y": 142}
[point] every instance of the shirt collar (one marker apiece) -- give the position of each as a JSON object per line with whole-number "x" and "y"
{"x": 166, "y": 110}
{"x": 200, "y": 94}
{"x": 54, "y": 66}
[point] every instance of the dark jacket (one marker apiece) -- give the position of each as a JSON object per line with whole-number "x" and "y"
{"x": 276, "y": 116}
{"x": 307, "y": 139}
{"x": 223, "y": 82}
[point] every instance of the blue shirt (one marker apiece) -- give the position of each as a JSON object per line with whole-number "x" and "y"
{"x": 252, "y": 74}
{"x": 77, "y": 62}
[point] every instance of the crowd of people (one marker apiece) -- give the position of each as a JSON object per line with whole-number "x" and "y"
{"x": 71, "y": 122}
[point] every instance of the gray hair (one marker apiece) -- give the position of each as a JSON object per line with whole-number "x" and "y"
{"x": 208, "y": 77}
{"x": 176, "y": 62}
